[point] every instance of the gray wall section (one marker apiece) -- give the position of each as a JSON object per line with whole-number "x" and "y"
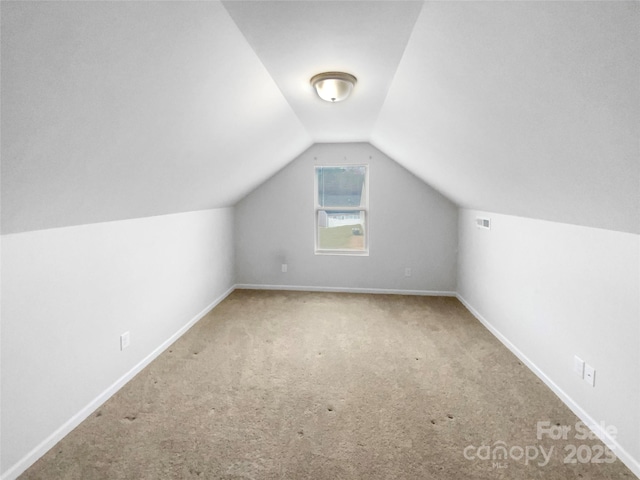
{"x": 410, "y": 225}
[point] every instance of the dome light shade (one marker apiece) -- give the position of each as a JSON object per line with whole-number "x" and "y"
{"x": 333, "y": 86}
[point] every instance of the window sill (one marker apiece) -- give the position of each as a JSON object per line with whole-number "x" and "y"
{"x": 352, "y": 253}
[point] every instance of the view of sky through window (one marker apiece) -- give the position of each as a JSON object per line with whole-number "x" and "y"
{"x": 341, "y": 186}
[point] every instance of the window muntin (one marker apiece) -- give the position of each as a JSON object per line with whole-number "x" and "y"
{"x": 341, "y": 209}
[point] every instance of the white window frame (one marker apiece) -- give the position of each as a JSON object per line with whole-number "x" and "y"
{"x": 364, "y": 208}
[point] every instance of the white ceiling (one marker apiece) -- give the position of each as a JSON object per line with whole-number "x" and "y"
{"x": 115, "y": 110}
{"x": 524, "y": 108}
{"x": 297, "y": 39}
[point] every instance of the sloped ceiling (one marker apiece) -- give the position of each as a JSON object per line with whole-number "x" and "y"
{"x": 525, "y": 108}
{"x": 115, "y": 110}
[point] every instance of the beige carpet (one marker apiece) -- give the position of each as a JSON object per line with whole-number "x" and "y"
{"x": 293, "y": 385}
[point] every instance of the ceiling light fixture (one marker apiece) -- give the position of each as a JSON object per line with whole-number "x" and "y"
{"x": 333, "y": 86}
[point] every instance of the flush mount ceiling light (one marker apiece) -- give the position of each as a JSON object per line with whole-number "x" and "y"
{"x": 333, "y": 86}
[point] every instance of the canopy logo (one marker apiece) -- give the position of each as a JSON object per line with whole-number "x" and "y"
{"x": 499, "y": 453}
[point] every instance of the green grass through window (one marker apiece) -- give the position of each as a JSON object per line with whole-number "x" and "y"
{"x": 340, "y": 238}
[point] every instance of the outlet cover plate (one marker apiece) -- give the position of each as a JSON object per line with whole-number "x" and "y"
{"x": 590, "y": 375}
{"x": 578, "y": 366}
{"x": 125, "y": 340}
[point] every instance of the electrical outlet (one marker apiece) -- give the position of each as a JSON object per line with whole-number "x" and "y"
{"x": 578, "y": 366}
{"x": 285, "y": 267}
{"x": 125, "y": 340}
{"x": 407, "y": 272}
{"x": 590, "y": 375}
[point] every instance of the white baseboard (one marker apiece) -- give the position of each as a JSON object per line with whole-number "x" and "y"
{"x": 387, "y": 291}
{"x": 30, "y": 458}
{"x": 624, "y": 456}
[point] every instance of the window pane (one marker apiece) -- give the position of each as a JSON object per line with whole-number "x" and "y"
{"x": 341, "y": 230}
{"x": 341, "y": 186}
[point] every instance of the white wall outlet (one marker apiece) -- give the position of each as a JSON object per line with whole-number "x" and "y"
{"x": 407, "y": 272}
{"x": 125, "y": 340}
{"x": 578, "y": 366}
{"x": 285, "y": 267}
{"x": 590, "y": 375}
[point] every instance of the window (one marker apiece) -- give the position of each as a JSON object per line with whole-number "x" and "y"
{"x": 342, "y": 207}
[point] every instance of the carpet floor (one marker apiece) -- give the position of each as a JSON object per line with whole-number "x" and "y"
{"x": 297, "y": 385}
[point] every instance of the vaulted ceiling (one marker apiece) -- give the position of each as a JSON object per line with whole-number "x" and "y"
{"x": 116, "y": 110}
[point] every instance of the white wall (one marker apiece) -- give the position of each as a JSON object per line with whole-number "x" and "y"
{"x": 552, "y": 291}
{"x": 68, "y": 294}
{"x": 410, "y": 225}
